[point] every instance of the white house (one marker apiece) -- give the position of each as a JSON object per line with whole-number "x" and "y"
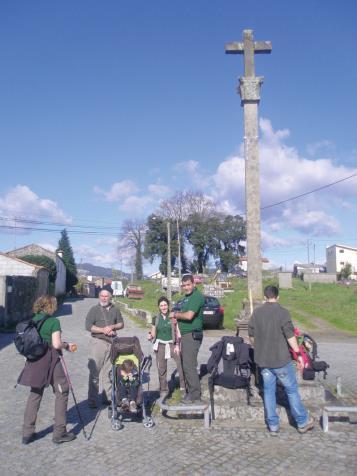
{"x": 243, "y": 263}
{"x": 337, "y": 256}
{"x": 16, "y": 267}
{"x": 60, "y": 283}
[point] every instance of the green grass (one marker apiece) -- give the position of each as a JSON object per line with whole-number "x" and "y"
{"x": 335, "y": 304}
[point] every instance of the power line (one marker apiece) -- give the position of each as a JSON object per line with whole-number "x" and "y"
{"x": 308, "y": 193}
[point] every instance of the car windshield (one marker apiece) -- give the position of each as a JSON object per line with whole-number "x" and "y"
{"x": 211, "y": 301}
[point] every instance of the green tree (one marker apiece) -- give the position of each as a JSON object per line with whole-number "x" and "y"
{"x": 202, "y": 232}
{"x": 156, "y": 242}
{"x": 44, "y": 261}
{"x": 346, "y": 271}
{"x": 232, "y": 231}
{"x": 68, "y": 259}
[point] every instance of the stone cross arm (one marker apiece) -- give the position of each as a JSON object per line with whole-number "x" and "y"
{"x": 248, "y": 48}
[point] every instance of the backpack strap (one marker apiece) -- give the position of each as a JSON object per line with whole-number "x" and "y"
{"x": 40, "y": 322}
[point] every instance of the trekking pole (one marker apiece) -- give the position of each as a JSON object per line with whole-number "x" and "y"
{"x": 72, "y": 392}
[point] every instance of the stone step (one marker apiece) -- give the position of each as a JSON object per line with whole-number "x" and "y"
{"x": 232, "y": 404}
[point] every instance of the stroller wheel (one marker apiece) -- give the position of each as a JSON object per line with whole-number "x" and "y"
{"x": 111, "y": 414}
{"x": 148, "y": 422}
{"x": 116, "y": 425}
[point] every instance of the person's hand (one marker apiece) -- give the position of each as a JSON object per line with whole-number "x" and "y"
{"x": 108, "y": 331}
{"x": 72, "y": 347}
{"x": 177, "y": 350}
{"x": 300, "y": 363}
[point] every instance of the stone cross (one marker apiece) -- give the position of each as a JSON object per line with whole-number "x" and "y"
{"x": 249, "y": 90}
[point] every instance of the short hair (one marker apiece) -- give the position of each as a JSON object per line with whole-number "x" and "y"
{"x": 46, "y": 304}
{"x": 187, "y": 277}
{"x": 128, "y": 365}
{"x": 163, "y": 299}
{"x": 271, "y": 292}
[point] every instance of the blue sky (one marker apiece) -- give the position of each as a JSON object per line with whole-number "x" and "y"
{"x": 106, "y": 108}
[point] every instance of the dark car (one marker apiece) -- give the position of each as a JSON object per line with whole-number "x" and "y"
{"x": 213, "y": 313}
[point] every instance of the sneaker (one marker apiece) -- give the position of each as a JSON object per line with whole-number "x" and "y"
{"x": 274, "y": 432}
{"x": 26, "y": 440}
{"x": 65, "y": 438}
{"x": 132, "y": 406}
{"x": 309, "y": 426}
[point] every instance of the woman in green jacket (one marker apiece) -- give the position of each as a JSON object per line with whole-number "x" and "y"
{"x": 46, "y": 371}
{"x": 166, "y": 338}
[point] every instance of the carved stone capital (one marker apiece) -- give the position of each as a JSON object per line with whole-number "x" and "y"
{"x": 249, "y": 88}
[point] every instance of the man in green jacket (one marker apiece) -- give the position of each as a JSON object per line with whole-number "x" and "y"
{"x": 190, "y": 322}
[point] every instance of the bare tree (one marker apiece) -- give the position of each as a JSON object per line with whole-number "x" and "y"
{"x": 183, "y": 204}
{"x": 134, "y": 236}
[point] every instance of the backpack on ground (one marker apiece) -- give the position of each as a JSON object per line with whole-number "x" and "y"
{"x": 229, "y": 366}
{"x": 28, "y": 341}
{"x": 308, "y": 350}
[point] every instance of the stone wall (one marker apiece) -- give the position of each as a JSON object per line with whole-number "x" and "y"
{"x": 18, "y": 293}
{"x": 320, "y": 277}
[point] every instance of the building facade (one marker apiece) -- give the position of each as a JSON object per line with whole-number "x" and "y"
{"x": 337, "y": 256}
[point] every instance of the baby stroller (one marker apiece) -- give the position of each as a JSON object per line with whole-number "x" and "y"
{"x": 121, "y": 348}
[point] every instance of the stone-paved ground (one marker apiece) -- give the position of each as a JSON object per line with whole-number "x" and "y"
{"x": 172, "y": 447}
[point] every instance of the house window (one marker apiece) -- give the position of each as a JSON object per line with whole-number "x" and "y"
{"x": 342, "y": 263}
{"x": 341, "y": 251}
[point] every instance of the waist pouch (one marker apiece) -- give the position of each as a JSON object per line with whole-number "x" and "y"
{"x": 197, "y": 335}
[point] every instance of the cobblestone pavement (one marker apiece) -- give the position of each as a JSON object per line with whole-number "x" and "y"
{"x": 172, "y": 446}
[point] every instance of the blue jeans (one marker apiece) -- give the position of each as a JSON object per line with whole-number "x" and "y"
{"x": 287, "y": 377}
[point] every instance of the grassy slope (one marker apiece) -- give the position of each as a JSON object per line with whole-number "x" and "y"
{"x": 332, "y": 303}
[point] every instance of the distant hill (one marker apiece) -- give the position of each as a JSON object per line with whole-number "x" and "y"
{"x": 87, "y": 269}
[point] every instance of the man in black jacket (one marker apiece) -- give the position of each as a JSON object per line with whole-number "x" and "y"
{"x": 271, "y": 332}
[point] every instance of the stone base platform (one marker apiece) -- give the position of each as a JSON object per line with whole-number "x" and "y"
{"x": 232, "y": 404}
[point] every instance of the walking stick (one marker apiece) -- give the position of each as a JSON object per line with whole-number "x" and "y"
{"x": 72, "y": 392}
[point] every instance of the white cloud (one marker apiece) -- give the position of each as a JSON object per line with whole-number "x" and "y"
{"x": 285, "y": 174}
{"x": 136, "y": 205}
{"x": 118, "y": 190}
{"x": 21, "y": 202}
{"x": 323, "y": 145}
{"x": 159, "y": 190}
{"x": 99, "y": 257}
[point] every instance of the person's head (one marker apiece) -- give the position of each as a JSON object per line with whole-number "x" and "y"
{"x": 105, "y": 297}
{"x": 188, "y": 283}
{"x": 271, "y": 292}
{"x": 46, "y": 304}
{"x": 128, "y": 366}
{"x": 164, "y": 305}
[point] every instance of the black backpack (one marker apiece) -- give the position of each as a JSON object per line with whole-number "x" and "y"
{"x": 230, "y": 366}
{"x": 28, "y": 341}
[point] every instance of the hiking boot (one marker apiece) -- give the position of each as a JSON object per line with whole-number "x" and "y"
{"x": 64, "y": 438}
{"x": 132, "y": 406}
{"x": 309, "y": 426}
{"x": 187, "y": 400}
{"x": 26, "y": 440}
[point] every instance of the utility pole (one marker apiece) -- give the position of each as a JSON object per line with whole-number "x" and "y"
{"x": 168, "y": 262}
{"x": 308, "y": 251}
{"x": 179, "y": 250}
